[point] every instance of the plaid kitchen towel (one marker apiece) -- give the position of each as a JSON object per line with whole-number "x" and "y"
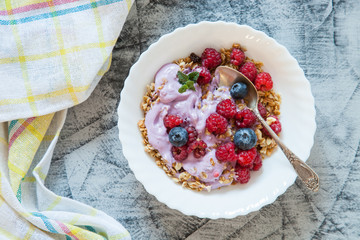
{"x": 52, "y": 55}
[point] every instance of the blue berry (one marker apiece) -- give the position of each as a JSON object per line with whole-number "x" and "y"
{"x": 238, "y": 90}
{"x": 245, "y": 138}
{"x": 178, "y": 136}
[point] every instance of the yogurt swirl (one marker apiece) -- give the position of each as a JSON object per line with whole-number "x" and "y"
{"x": 194, "y": 108}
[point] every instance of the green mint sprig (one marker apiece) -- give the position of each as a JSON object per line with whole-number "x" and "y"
{"x": 187, "y": 81}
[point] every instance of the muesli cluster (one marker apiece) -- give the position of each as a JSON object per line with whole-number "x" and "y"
{"x": 203, "y": 136}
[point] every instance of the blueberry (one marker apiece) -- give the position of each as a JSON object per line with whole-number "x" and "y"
{"x": 178, "y": 136}
{"x": 245, "y": 138}
{"x": 238, "y": 90}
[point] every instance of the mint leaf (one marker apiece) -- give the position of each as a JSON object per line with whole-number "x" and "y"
{"x": 182, "y": 77}
{"x": 183, "y": 88}
{"x": 187, "y": 81}
{"x": 190, "y": 85}
{"x": 194, "y": 76}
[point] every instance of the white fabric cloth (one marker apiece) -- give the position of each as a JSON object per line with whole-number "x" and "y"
{"x": 52, "y": 55}
{"x": 41, "y": 214}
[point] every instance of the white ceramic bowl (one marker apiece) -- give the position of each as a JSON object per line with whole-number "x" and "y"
{"x": 297, "y": 118}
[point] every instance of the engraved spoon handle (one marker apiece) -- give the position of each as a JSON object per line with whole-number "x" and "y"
{"x": 306, "y": 174}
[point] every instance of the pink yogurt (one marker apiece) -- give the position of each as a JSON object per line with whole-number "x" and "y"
{"x": 186, "y": 105}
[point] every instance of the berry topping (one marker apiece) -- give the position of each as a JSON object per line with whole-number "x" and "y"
{"x": 198, "y": 147}
{"x": 242, "y": 175}
{"x": 195, "y": 58}
{"x": 226, "y": 152}
{"x": 262, "y": 110}
{"x": 204, "y": 75}
{"x": 216, "y": 174}
{"x": 179, "y": 153}
{"x": 257, "y": 162}
{"x": 263, "y": 82}
{"x": 216, "y": 123}
{"x": 249, "y": 70}
{"x": 226, "y": 108}
{"x": 237, "y": 57}
{"x": 245, "y": 118}
{"x": 192, "y": 134}
{"x": 171, "y": 121}
{"x": 247, "y": 157}
{"x": 238, "y": 90}
{"x": 245, "y": 138}
{"x": 178, "y": 136}
{"x": 210, "y": 58}
{"x": 274, "y": 123}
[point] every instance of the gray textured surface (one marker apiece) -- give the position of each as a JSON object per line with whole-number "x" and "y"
{"x": 323, "y": 35}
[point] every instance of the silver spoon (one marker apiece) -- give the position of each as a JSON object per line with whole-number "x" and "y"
{"x": 228, "y": 77}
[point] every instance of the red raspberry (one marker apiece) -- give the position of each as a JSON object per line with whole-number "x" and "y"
{"x": 216, "y": 123}
{"x": 171, "y": 121}
{"x": 242, "y": 175}
{"x": 192, "y": 134}
{"x": 210, "y": 58}
{"x": 246, "y": 157}
{"x": 245, "y": 118}
{"x": 237, "y": 57}
{"x": 226, "y": 108}
{"x": 257, "y": 162}
{"x": 226, "y": 152}
{"x": 204, "y": 75}
{"x": 179, "y": 153}
{"x": 275, "y": 126}
{"x": 249, "y": 70}
{"x": 263, "y": 82}
{"x": 262, "y": 110}
{"x": 198, "y": 147}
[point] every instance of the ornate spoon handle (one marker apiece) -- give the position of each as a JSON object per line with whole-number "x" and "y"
{"x": 306, "y": 174}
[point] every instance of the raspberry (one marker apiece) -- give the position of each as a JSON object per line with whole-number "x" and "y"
{"x": 237, "y": 57}
{"x": 192, "y": 134}
{"x": 249, "y": 70}
{"x": 216, "y": 123}
{"x": 245, "y": 118}
{"x": 275, "y": 126}
{"x": 246, "y": 157}
{"x": 198, "y": 147}
{"x": 242, "y": 175}
{"x": 179, "y": 153}
{"x": 210, "y": 58}
{"x": 226, "y": 108}
{"x": 262, "y": 110}
{"x": 257, "y": 163}
{"x": 204, "y": 75}
{"x": 263, "y": 82}
{"x": 226, "y": 152}
{"x": 171, "y": 121}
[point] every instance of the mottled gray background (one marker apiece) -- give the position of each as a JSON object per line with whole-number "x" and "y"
{"x": 323, "y": 35}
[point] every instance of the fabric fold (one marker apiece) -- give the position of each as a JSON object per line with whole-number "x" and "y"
{"x": 27, "y": 196}
{"x": 52, "y": 55}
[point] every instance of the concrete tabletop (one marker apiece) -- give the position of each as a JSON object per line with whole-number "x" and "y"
{"x": 324, "y": 37}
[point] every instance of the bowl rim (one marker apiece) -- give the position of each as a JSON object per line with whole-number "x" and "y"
{"x": 173, "y": 205}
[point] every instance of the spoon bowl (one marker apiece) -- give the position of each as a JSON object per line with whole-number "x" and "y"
{"x": 229, "y": 76}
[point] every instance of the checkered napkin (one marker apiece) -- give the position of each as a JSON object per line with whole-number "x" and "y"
{"x": 52, "y": 55}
